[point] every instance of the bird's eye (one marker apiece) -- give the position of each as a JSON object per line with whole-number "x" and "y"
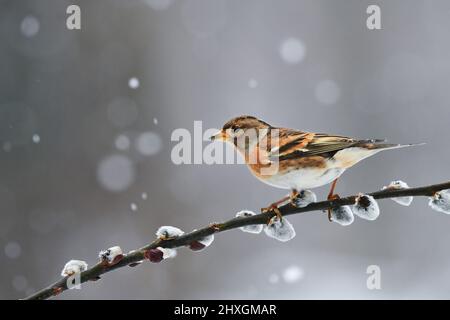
{"x": 234, "y": 131}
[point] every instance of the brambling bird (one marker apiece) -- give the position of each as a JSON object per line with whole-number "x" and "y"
{"x": 293, "y": 159}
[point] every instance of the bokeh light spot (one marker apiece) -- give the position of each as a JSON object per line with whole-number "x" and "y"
{"x": 292, "y": 274}
{"x": 115, "y": 173}
{"x": 29, "y": 26}
{"x": 252, "y": 83}
{"x": 148, "y": 143}
{"x": 327, "y": 92}
{"x": 292, "y": 51}
{"x": 122, "y": 142}
{"x": 13, "y": 250}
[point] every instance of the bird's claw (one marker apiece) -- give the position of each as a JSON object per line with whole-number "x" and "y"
{"x": 293, "y": 197}
{"x": 331, "y": 198}
{"x": 273, "y": 208}
{"x": 215, "y": 226}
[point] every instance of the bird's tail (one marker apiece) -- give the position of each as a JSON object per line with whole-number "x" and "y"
{"x": 365, "y": 148}
{"x": 377, "y": 145}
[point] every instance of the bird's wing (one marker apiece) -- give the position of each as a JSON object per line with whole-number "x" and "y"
{"x": 293, "y": 144}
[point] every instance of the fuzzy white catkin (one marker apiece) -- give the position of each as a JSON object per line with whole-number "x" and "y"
{"x": 254, "y": 228}
{"x": 368, "y": 211}
{"x": 168, "y": 253}
{"x": 441, "y": 201}
{"x": 398, "y": 185}
{"x": 110, "y": 254}
{"x": 281, "y": 230}
{"x": 304, "y": 198}
{"x": 74, "y": 266}
{"x": 342, "y": 215}
{"x": 167, "y": 232}
{"x": 206, "y": 241}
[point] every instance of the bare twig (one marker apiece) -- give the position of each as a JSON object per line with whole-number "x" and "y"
{"x": 100, "y": 268}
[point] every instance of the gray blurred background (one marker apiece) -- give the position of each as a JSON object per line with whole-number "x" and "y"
{"x": 85, "y": 139}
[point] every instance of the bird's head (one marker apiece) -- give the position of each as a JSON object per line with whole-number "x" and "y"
{"x": 246, "y": 128}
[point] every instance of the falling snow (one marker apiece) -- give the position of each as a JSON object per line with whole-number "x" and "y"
{"x": 36, "y": 138}
{"x": 133, "y": 83}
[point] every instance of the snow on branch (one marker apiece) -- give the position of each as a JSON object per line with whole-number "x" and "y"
{"x": 170, "y": 238}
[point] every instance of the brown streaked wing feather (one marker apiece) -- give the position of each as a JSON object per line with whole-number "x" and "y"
{"x": 291, "y": 140}
{"x": 310, "y": 144}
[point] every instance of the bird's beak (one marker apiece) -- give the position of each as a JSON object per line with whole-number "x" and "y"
{"x": 220, "y": 136}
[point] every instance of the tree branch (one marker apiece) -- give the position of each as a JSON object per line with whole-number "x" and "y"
{"x": 93, "y": 273}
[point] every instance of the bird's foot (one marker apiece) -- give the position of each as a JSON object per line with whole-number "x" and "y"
{"x": 215, "y": 226}
{"x": 293, "y": 197}
{"x": 331, "y": 197}
{"x": 273, "y": 208}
